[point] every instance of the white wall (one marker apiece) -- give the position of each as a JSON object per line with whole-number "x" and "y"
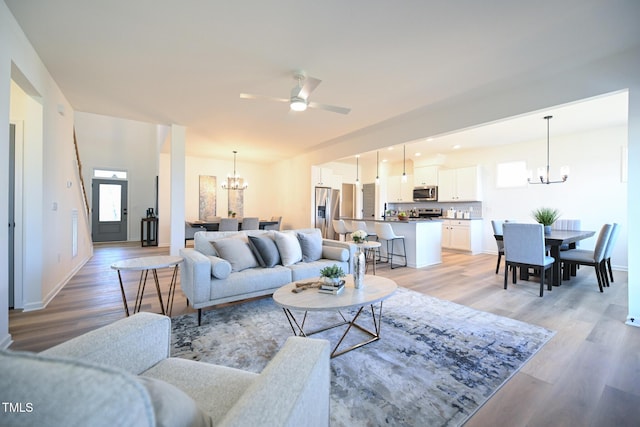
{"x": 113, "y": 143}
{"x": 259, "y": 197}
{"x": 594, "y": 192}
{"x": 51, "y": 181}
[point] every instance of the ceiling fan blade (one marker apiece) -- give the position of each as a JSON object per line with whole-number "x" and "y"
{"x": 310, "y": 83}
{"x": 269, "y": 98}
{"x": 333, "y": 108}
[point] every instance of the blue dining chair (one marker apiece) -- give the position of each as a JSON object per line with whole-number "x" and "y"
{"x": 594, "y": 258}
{"x": 524, "y": 247}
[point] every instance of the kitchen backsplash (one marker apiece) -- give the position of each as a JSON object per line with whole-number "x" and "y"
{"x": 472, "y": 209}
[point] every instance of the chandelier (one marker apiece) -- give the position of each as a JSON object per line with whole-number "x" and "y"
{"x": 543, "y": 174}
{"x": 234, "y": 182}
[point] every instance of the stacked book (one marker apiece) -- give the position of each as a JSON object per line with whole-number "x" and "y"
{"x": 332, "y": 288}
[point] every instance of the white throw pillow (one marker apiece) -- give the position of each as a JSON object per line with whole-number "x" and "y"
{"x": 289, "y": 247}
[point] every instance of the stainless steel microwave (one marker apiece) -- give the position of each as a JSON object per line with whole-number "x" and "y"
{"x": 426, "y": 193}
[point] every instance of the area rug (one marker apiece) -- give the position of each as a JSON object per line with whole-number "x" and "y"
{"x": 435, "y": 364}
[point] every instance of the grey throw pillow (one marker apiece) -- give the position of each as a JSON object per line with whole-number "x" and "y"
{"x": 288, "y": 246}
{"x": 237, "y": 252}
{"x": 265, "y": 250}
{"x": 220, "y": 268}
{"x": 311, "y": 245}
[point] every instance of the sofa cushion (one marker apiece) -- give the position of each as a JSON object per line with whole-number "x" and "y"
{"x": 214, "y": 388}
{"x": 311, "y": 245}
{"x": 237, "y": 252}
{"x": 288, "y": 246}
{"x": 172, "y": 407}
{"x": 265, "y": 250}
{"x": 306, "y": 270}
{"x": 220, "y": 268}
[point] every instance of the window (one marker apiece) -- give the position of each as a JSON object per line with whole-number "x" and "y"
{"x": 105, "y": 173}
{"x": 511, "y": 174}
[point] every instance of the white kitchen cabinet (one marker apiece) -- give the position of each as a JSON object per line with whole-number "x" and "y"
{"x": 460, "y": 185}
{"x": 425, "y": 175}
{"x": 462, "y": 234}
{"x": 398, "y": 191}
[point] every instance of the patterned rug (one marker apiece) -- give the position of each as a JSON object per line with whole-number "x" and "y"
{"x": 435, "y": 364}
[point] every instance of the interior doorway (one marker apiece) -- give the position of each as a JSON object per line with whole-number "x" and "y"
{"x": 12, "y": 212}
{"x": 369, "y": 201}
{"x": 109, "y": 210}
{"x": 348, "y": 205}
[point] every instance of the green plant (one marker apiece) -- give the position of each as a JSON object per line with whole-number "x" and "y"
{"x": 546, "y": 216}
{"x": 332, "y": 272}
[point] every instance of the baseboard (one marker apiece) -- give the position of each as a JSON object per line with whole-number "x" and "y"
{"x": 6, "y": 341}
{"x": 39, "y": 305}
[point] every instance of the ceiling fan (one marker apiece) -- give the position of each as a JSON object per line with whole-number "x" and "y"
{"x": 299, "y": 100}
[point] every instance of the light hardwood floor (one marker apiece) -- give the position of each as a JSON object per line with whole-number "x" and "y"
{"x": 587, "y": 375}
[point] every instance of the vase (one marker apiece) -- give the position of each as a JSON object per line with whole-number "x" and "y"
{"x": 547, "y": 229}
{"x": 359, "y": 264}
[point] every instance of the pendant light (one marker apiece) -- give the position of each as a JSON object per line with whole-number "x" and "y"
{"x": 234, "y": 182}
{"x": 543, "y": 174}
{"x": 404, "y": 163}
{"x": 357, "y": 170}
{"x": 377, "y": 167}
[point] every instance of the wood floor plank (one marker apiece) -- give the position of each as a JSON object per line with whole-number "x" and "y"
{"x": 588, "y": 374}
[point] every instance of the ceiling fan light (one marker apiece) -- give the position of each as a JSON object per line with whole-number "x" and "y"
{"x": 298, "y": 104}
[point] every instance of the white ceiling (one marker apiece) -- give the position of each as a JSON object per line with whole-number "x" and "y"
{"x": 170, "y": 62}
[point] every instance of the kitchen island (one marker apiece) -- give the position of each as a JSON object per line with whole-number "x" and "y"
{"x": 422, "y": 237}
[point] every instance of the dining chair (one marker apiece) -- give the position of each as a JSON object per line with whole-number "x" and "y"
{"x": 189, "y": 232}
{"x": 567, "y": 224}
{"x": 615, "y": 230}
{"x": 594, "y": 258}
{"x": 385, "y": 232}
{"x": 340, "y": 228}
{"x": 275, "y": 227}
{"x": 250, "y": 223}
{"x": 524, "y": 247}
{"x": 228, "y": 224}
{"x": 497, "y": 231}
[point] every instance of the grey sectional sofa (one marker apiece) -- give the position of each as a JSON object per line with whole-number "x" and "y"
{"x": 231, "y": 266}
{"x": 122, "y": 375}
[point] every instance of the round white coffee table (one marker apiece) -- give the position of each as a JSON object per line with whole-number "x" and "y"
{"x": 144, "y": 265}
{"x": 375, "y": 289}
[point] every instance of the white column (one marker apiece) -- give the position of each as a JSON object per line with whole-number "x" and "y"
{"x": 177, "y": 187}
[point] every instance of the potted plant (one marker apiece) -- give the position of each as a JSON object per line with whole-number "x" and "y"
{"x": 332, "y": 274}
{"x": 546, "y": 217}
{"x": 359, "y": 236}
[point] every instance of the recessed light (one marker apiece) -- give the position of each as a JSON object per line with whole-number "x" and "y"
{"x": 417, "y": 154}
{"x": 456, "y": 147}
{"x": 429, "y": 139}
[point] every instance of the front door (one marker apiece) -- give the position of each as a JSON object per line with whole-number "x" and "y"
{"x": 109, "y": 210}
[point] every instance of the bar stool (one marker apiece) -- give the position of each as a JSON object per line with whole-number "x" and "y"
{"x": 340, "y": 228}
{"x": 385, "y": 232}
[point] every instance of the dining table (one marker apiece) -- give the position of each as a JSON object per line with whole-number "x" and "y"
{"x": 214, "y": 225}
{"x": 554, "y": 240}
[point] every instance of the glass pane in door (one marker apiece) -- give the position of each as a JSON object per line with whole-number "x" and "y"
{"x": 110, "y": 202}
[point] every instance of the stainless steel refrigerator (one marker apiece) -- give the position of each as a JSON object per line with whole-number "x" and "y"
{"x": 327, "y": 208}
